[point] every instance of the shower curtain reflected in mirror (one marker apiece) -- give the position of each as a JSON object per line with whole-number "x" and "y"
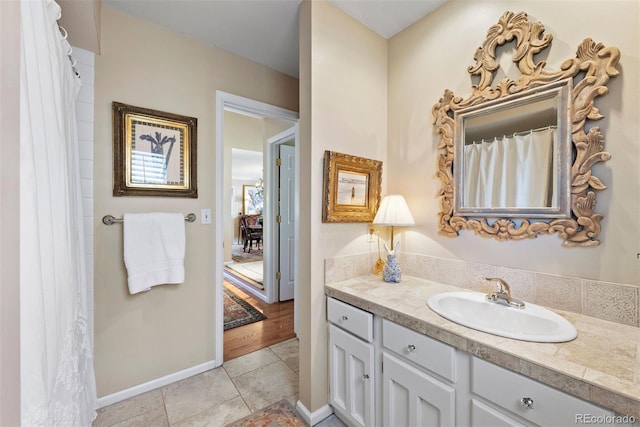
{"x": 510, "y": 172}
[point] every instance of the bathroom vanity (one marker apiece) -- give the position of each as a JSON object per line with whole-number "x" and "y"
{"x": 395, "y": 362}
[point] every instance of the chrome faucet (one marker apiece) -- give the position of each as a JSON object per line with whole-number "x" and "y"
{"x": 503, "y": 293}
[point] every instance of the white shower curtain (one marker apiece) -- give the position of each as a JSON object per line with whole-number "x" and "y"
{"x": 513, "y": 171}
{"x": 57, "y": 377}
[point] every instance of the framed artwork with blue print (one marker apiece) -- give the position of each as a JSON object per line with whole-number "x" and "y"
{"x": 154, "y": 153}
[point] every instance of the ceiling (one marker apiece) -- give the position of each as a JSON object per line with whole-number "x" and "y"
{"x": 266, "y": 31}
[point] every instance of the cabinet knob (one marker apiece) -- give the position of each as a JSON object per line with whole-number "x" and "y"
{"x": 411, "y": 348}
{"x": 344, "y": 318}
{"x": 526, "y": 402}
{"x": 365, "y": 377}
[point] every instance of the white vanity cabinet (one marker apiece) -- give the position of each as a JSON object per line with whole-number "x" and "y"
{"x": 351, "y": 363}
{"x": 424, "y": 382}
{"x": 412, "y": 392}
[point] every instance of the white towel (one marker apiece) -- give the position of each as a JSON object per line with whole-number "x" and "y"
{"x": 154, "y": 247}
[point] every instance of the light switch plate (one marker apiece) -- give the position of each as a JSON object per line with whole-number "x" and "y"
{"x": 205, "y": 216}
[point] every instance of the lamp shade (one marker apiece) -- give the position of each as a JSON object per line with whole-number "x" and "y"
{"x": 394, "y": 211}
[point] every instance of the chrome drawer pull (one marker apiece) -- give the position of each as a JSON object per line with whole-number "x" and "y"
{"x": 365, "y": 377}
{"x": 344, "y": 318}
{"x": 411, "y": 348}
{"x": 526, "y": 402}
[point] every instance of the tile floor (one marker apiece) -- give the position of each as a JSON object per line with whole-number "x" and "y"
{"x": 217, "y": 397}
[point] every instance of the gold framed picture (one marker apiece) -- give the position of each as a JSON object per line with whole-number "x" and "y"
{"x": 352, "y": 188}
{"x": 154, "y": 153}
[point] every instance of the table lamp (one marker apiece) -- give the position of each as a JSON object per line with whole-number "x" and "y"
{"x": 394, "y": 212}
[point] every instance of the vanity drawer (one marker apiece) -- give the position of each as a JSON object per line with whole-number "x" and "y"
{"x": 507, "y": 389}
{"x": 420, "y": 349}
{"x": 350, "y": 318}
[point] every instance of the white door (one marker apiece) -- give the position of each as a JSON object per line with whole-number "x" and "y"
{"x": 351, "y": 377}
{"x": 287, "y": 222}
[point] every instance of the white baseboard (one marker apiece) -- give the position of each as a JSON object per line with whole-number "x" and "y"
{"x": 110, "y": 399}
{"x": 315, "y": 417}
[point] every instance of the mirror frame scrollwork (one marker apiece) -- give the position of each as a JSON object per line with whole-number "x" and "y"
{"x": 590, "y": 70}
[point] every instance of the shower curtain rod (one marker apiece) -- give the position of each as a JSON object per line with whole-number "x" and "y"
{"x": 524, "y": 132}
{"x": 521, "y": 133}
{"x": 110, "y": 219}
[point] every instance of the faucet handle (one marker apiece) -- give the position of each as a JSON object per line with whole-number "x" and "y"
{"x": 503, "y": 287}
{"x": 504, "y": 293}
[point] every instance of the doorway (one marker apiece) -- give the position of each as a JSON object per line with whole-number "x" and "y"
{"x": 226, "y": 211}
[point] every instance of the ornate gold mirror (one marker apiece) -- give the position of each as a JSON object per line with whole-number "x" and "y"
{"x": 517, "y": 156}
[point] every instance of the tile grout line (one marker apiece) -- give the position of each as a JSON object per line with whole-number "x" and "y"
{"x": 164, "y": 405}
{"x": 209, "y": 407}
{"x": 279, "y": 359}
{"x": 252, "y": 370}
{"x": 239, "y": 394}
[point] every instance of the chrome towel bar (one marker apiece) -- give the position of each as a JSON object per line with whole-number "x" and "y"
{"x": 110, "y": 219}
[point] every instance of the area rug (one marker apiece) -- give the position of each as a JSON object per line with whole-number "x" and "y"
{"x": 238, "y": 312}
{"x": 251, "y": 270}
{"x": 278, "y": 414}
{"x": 239, "y": 256}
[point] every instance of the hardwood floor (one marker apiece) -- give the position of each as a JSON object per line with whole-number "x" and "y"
{"x": 277, "y": 327}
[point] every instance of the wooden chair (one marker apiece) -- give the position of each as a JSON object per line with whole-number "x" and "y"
{"x": 249, "y": 233}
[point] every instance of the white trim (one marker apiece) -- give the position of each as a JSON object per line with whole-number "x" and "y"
{"x": 250, "y": 106}
{"x": 118, "y": 396}
{"x": 296, "y": 243}
{"x": 244, "y": 112}
{"x": 315, "y": 417}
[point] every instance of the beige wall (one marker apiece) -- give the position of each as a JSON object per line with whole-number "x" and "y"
{"x": 10, "y": 214}
{"x": 146, "y": 336}
{"x": 344, "y": 68}
{"x": 272, "y": 127}
{"x": 433, "y": 55}
{"x": 81, "y": 19}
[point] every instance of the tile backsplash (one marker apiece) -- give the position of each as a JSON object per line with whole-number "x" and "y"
{"x": 616, "y": 302}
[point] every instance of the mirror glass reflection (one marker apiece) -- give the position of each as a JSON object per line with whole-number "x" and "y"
{"x": 512, "y": 156}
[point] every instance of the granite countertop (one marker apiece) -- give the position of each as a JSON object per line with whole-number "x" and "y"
{"x": 602, "y": 365}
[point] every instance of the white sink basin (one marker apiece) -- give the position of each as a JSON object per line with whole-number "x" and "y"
{"x": 531, "y": 323}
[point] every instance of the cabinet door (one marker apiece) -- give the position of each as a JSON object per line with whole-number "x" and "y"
{"x": 412, "y": 398}
{"x": 351, "y": 381}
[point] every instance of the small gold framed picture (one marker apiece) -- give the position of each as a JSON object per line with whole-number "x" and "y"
{"x": 352, "y": 188}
